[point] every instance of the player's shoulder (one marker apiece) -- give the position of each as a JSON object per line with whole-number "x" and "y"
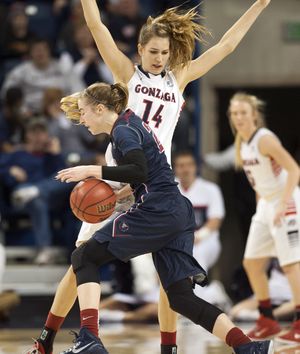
{"x": 263, "y": 132}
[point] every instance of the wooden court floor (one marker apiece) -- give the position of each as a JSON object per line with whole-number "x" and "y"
{"x": 131, "y": 339}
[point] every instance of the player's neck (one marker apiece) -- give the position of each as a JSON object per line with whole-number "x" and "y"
{"x": 247, "y": 135}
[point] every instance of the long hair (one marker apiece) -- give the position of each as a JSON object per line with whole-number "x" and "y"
{"x": 114, "y": 97}
{"x": 181, "y": 27}
{"x": 258, "y": 107}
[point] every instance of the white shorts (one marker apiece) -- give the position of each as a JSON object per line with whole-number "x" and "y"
{"x": 87, "y": 230}
{"x": 267, "y": 240}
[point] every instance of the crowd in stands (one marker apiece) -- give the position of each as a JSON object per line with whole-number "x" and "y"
{"x": 47, "y": 52}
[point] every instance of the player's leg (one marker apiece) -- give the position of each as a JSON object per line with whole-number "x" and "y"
{"x": 167, "y": 323}
{"x": 259, "y": 249}
{"x": 64, "y": 299}
{"x": 256, "y": 270}
{"x": 86, "y": 261}
{"x": 184, "y": 301}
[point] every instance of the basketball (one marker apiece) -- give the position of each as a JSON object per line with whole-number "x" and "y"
{"x": 92, "y": 200}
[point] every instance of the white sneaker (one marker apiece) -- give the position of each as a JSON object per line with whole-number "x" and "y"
{"x": 24, "y": 195}
{"x": 45, "y": 256}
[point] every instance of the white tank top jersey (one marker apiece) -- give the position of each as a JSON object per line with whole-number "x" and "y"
{"x": 264, "y": 174}
{"x": 158, "y": 101}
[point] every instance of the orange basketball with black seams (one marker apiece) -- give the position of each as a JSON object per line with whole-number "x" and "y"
{"x": 92, "y": 200}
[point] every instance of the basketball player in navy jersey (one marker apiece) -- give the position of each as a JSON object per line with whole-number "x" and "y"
{"x": 161, "y": 221}
{"x": 166, "y": 45}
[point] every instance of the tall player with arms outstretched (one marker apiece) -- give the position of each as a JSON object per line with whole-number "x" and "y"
{"x": 274, "y": 231}
{"x": 166, "y": 46}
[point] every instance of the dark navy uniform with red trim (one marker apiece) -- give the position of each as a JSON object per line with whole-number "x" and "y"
{"x": 161, "y": 221}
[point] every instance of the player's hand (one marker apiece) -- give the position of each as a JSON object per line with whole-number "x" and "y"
{"x": 279, "y": 214}
{"x": 79, "y": 173}
{"x": 18, "y": 173}
{"x": 264, "y": 3}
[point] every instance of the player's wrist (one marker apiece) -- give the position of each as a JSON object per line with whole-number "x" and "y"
{"x": 94, "y": 171}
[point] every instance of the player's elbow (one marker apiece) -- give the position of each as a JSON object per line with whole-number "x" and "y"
{"x": 141, "y": 174}
{"x": 228, "y": 46}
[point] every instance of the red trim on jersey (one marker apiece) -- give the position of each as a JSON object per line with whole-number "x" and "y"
{"x": 291, "y": 207}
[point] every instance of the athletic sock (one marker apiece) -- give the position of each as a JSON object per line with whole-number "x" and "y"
{"x": 265, "y": 308}
{"x": 168, "y": 343}
{"x": 89, "y": 319}
{"x": 47, "y": 336}
{"x": 168, "y": 338}
{"x": 235, "y": 337}
{"x": 54, "y": 322}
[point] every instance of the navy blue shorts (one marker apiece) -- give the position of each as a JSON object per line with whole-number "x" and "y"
{"x": 162, "y": 224}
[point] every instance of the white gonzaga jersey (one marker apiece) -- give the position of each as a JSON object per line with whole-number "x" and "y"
{"x": 158, "y": 101}
{"x": 264, "y": 174}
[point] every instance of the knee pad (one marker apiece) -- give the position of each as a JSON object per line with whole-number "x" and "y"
{"x": 87, "y": 259}
{"x": 77, "y": 257}
{"x": 183, "y": 300}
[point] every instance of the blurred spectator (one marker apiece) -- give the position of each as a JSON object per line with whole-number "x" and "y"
{"x": 244, "y": 195}
{"x": 280, "y": 294}
{"x": 28, "y": 174}
{"x": 16, "y": 36}
{"x": 12, "y": 120}
{"x": 208, "y": 205}
{"x": 40, "y": 72}
{"x": 137, "y": 292}
{"x": 124, "y": 22}
{"x": 75, "y": 20}
{"x": 77, "y": 144}
{"x": 85, "y": 59}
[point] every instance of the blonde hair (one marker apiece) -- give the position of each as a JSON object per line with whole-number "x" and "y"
{"x": 258, "y": 107}
{"x": 114, "y": 97}
{"x": 181, "y": 27}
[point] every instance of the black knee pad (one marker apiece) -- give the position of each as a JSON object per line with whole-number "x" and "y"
{"x": 183, "y": 300}
{"x": 77, "y": 257}
{"x": 87, "y": 259}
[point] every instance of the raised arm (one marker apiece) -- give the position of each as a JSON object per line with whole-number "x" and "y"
{"x": 120, "y": 65}
{"x": 224, "y": 47}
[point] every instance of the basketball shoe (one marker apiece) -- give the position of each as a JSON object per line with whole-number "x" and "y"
{"x": 264, "y": 328}
{"x": 168, "y": 349}
{"x": 292, "y": 336}
{"x": 259, "y": 347}
{"x": 86, "y": 343}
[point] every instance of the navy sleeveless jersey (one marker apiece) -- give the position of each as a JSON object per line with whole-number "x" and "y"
{"x": 130, "y": 133}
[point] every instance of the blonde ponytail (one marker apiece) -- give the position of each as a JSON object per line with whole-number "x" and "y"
{"x": 69, "y": 105}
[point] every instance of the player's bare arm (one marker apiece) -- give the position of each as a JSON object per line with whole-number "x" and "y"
{"x": 223, "y": 48}
{"x": 120, "y": 65}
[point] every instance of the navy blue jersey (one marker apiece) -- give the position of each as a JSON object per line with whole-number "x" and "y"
{"x": 131, "y": 133}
